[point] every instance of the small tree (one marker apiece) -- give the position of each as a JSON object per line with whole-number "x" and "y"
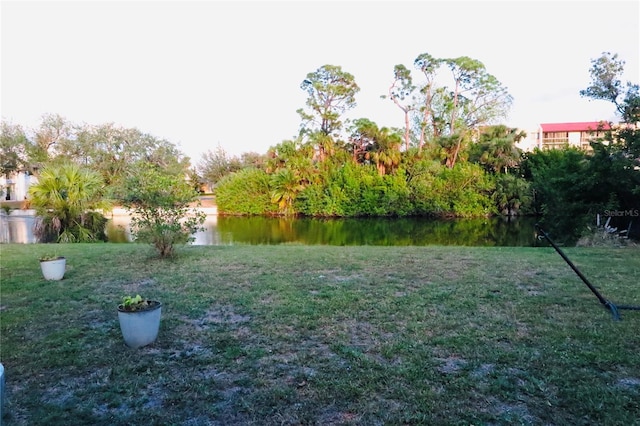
{"x": 160, "y": 206}
{"x": 216, "y": 164}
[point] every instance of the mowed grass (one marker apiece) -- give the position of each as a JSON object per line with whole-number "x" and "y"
{"x": 323, "y": 335}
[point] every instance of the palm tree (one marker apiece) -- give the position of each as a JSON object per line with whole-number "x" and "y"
{"x": 380, "y": 145}
{"x": 496, "y": 150}
{"x": 512, "y": 194}
{"x": 500, "y": 155}
{"x": 286, "y": 186}
{"x": 65, "y": 198}
{"x": 386, "y": 151}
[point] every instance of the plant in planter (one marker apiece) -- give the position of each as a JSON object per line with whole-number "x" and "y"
{"x": 53, "y": 267}
{"x": 139, "y": 320}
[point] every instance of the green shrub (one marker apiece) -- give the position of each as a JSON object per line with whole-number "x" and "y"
{"x": 160, "y": 206}
{"x": 246, "y": 192}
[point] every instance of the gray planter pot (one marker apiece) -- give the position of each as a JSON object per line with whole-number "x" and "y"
{"x": 53, "y": 270}
{"x": 140, "y": 328}
{"x": 2, "y": 386}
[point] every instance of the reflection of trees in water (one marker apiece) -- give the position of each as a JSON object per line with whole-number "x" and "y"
{"x": 223, "y": 230}
{"x": 380, "y": 231}
{"x": 567, "y": 230}
{"x": 563, "y": 230}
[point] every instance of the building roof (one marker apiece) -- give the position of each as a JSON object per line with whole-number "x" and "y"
{"x": 583, "y": 126}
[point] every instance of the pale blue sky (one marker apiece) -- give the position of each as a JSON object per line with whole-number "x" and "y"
{"x": 208, "y": 73}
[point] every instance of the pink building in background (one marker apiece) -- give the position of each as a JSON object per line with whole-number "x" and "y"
{"x": 560, "y": 135}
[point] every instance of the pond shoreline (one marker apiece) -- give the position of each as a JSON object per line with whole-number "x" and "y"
{"x": 226, "y": 230}
{"x": 116, "y": 211}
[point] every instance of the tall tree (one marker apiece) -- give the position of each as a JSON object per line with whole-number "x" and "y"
{"x": 570, "y": 185}
{"x": 458, "y": 103}
{"x": 614, "y": 167}
{"x": 400, "y": 92}
{"x": 429, "y": 66}
{"x": 331, "y": 92}
{"x": 112, "y": 151}
{"x": 606, "y": 85}
{"x": 53, "y": 131}
{"x": 478, "y": 98}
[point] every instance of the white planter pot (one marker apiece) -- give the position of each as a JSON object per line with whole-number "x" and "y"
{"x": 140, "y": 328}
{"x": 53, "y": 270}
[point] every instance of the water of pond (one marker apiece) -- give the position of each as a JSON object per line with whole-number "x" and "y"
{"x": 224, "y": 230}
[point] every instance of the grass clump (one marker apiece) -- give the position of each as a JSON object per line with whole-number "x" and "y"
{"x": 265, "y": 335}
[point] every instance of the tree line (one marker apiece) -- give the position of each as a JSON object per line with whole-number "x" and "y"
{"x": 452, "y": 158}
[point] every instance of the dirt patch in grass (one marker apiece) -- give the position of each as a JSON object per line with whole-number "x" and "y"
{"x": 483, "y": 371}
{"x": 508, "y": 412}
{"x": 98, "y": 320}
{"x": 139, "y": 287}
{"x": 217, "y": 315}
{"x": 451, "y": 365}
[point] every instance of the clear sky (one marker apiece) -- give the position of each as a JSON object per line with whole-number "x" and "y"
{"x": 203, "y": 74}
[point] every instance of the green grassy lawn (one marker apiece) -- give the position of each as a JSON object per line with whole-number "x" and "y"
{"x": 324, "y": 335}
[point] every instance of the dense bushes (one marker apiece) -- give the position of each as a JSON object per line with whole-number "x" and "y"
{"x": 246, "y": 192}
{"x": 353, "y": 190}
{"x": 571, "y": 186}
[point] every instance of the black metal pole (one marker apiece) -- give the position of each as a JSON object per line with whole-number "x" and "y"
{"x": 602, "y": 300}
